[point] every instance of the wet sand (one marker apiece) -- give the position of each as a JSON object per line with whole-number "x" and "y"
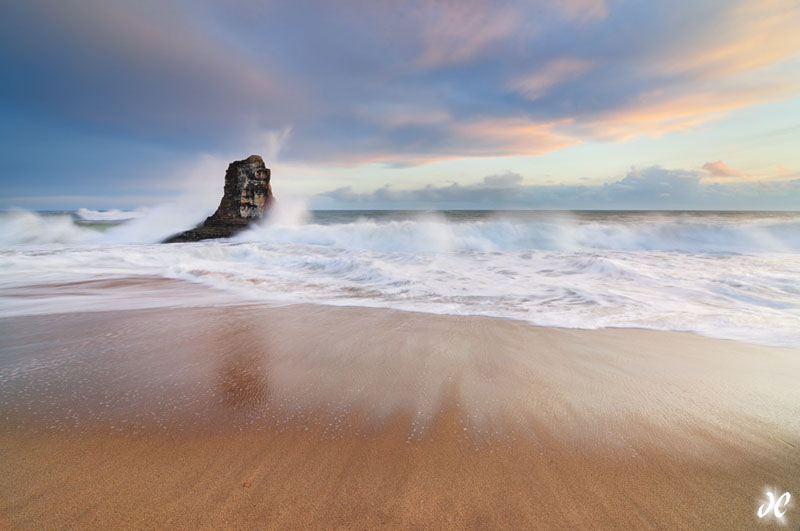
{"x": 324, "y": 417}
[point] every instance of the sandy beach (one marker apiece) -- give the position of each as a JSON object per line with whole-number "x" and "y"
{"x": 412, "y": 265}
{"x": 308, "y": 416}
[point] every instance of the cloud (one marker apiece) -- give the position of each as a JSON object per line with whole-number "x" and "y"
{"x": 505, "y": 180}
{"x": 537, "y": 83}
{"x": 653, "y": 68}
{"x": 495, "y": 189}
{"x": 658, "y": 112}
{"x": 743, "y": 36}
{"x": 649, "y": 188}
{"x": 455, "y": 32}
{"x": 584, "y": 9}
{"x": 720, "y": 169}
{"x": 142, "y": 67}
{"x": 399, "y": 83}
{"x": 439, "y": 137}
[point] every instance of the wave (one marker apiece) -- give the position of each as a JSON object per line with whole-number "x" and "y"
{"x": 434, "y": 233}
{"x": 23, "y": 227}
{"x": 110, "y": 215}
{"x": 726, "y": 275}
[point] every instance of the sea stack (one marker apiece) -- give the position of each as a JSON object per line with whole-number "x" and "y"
{"x": 247, "y": 196}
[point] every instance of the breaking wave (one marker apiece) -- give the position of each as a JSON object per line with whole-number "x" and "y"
{"x": 730, "y": 275}
{"x": 437, "y": 232}
{"x": 110, "y": 215}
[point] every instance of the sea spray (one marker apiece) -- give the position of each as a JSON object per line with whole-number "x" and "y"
{"x": 732, "y": 275}
{"x": 21, "y": 227}
{"x": 445, "y": 231}
{"x": 112, "y": 215}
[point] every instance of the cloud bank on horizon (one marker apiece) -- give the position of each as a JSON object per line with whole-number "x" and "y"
{"x": 118, "y": 90}
{"x": 650, "y": 188}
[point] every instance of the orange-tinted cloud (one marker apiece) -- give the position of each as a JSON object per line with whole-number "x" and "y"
{"x": 658, "y": 111}
{"x": 746, "y": 36}
{"x": 720, "y": 169}
{"x": 449, "y": 139}
{"x": 700, "y": 73}
{"x": 398, "y": 82}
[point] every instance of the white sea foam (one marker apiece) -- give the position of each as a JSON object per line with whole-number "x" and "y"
{"x": 110, "y": 215}
{"x": 726, "y": 275}
{"x": 21, "y": 227}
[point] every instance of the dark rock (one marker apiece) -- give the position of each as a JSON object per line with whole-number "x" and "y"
{"x": 247, "y": 196}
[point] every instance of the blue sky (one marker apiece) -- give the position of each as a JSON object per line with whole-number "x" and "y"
{"x": 470, "y": 104}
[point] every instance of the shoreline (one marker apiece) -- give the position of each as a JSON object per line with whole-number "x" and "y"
{"x": 196, "y": 294}
{"x": 356, "y": 417}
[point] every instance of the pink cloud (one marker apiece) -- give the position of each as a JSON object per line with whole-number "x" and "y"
{"x": 536, "y": 84}
{"x": 720, "y": 169}
{"x": 454, "y": 33}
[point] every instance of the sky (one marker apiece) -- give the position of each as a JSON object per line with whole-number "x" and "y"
{"x": 584, "y": 104}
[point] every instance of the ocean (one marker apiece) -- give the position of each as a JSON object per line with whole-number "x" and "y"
{"x": 732, "y": 275}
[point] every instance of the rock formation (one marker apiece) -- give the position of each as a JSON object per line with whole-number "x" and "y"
{"x": 247, "y": 196}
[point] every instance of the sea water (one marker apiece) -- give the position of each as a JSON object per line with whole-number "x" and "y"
{"x": 733, "y": 275}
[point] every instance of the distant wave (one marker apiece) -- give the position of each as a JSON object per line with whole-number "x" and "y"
{"x": 433, "y": 233}
{"x": 563, "y": 232}
{"x": 110, "y": 215}
{"x": 23, "y": 227}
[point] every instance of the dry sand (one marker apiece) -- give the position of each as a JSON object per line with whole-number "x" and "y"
{"x": 325, "y": 417}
